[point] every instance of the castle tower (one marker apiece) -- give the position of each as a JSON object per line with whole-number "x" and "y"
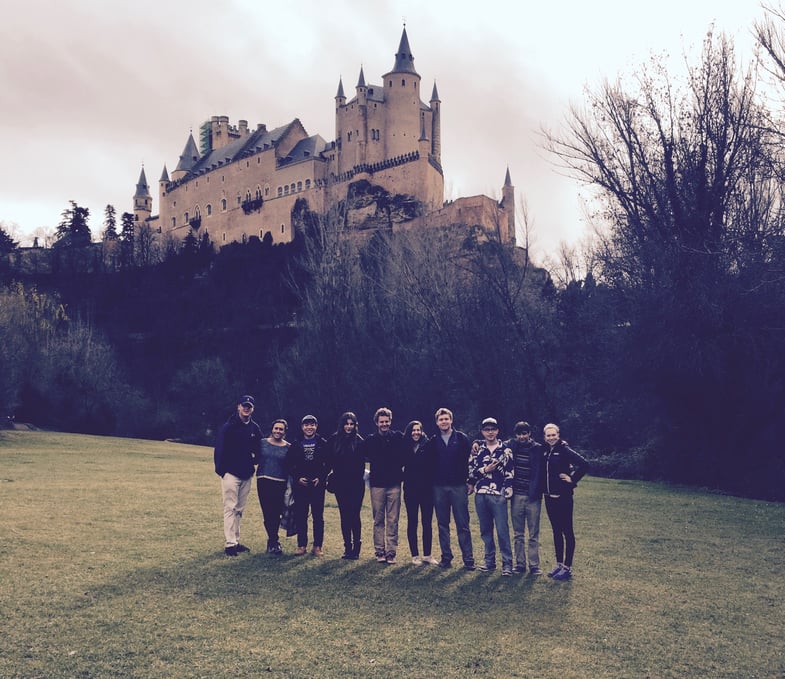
{"x": 436, "y": 126}
{"x": 508, "y": 205}
{"x": 402, "y": 103}
{"x": 143, "y": 201}
{"x": 362, "y": 131}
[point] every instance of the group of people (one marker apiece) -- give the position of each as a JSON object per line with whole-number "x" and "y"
{"x": 434, "y": 475}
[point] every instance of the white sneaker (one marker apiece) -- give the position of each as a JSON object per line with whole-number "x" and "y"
{"x": 430, "y": 560}
{"x": 416, "y": 560}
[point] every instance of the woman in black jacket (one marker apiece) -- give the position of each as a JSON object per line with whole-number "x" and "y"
{"x": 418, "y": 492}
{"x": 347, "y": 468}
{"x": 562, "y": 468}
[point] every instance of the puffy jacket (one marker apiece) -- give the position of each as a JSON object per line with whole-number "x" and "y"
{"x": 561, "y": 459}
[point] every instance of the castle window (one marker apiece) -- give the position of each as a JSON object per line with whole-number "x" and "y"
{"x": 299, "y": 187}
{"x": 223, "y": 238}
{"x": 174, "y": 222}
{"x": 307, "y": 184}
{"x": 283, "y": 228}
{"x": 185, "y": 219}
{"x": 197, "y": 212}
{"x": 292, "y": 187}
{"x": 266, "y": 190}
{"x": 403, "y": 83}
{"x": 239, "y": 199}
{"x": 209, "y": 209}
{"x": 258, "y": 193}
{"x": 248, "y": 163}
{"x": 223, "y": 204}
{"x": 261, "y": 233}
{"x": 348, "y": 136}
{"x": 286, "y": 190}
{"x": 280, "y": 191}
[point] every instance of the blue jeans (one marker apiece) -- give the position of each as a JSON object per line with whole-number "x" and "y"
{"x": 492, "y": 510}
{"x": 526, "y": 514}
{"x": 455, "y": 498}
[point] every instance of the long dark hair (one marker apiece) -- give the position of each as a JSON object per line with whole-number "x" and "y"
{"x": 407, "y": 433}
{"x": 346, "y": 417}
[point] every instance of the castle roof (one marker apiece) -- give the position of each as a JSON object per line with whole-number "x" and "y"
{"x": 259, "y": 140}
{"x": 142, "y": 188}
{"x": 164, "y": 175}
{"x": 361, "y": 81}
{"x": 340, "y": 94}
{"x": 190, "y": 155}
{"x": 435, "y": 93}
{"x": 404, "y": 60}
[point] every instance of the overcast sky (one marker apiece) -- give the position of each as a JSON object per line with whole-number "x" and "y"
{"x": 92, "y": 89}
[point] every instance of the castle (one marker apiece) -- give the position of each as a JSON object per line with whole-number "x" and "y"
{"x": 242, "y": 182}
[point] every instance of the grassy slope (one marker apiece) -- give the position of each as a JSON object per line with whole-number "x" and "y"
{"x": 111, "y": 565}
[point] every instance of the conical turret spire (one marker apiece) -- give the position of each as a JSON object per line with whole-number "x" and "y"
{"x": 404, "y": 60}
{"x": 142, "y": 188}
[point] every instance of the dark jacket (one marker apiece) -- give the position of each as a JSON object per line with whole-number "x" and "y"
{"x": 237, "y": 448}
{"x": 561, "y": 459}
{"x": 418, "y": 470}
{"x": 450, "y": 462}
{"x": 386, "y": 455}
{"x": 534, "y": 452}
{"x": 345, "y": 459}
{"x": 301, "y": 465}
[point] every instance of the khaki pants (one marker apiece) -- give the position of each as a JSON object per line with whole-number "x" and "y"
{"x": 386, "y": 506}
{"x": 235, "y": 495}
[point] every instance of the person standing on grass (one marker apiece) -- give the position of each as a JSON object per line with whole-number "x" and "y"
{"x": 271, "y": 479}
{"x": 563, "y": 468}
{"x": 449, "y": 452}
{"x": 237, "y": 449}
{"x": 526, "y": 503}
{"x": 347, "y": 468}
{"x": 491, "y": 472}
{"x": 418, "y": 492}
{"x": 386, "y": 451}
{"x": 306, "y": 463}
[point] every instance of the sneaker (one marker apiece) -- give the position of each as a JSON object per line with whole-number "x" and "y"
{"x": 520, "y": 568}
{"x": 444, "y": 563}
{"x": 300, "y": 551}
{"x": 553, "y": 573}
{"x": 469, "y": 566}
{"x": 430, "y": 560}
{"x": 241, "y": 548}
{"x": 507, "y": 572}
{"x": 564, "y": 574}
{"x": 231, "y": 551}
{"x": 535, "y": 570}
{"x": 381, "y": 558}
{"x": 486, "y": 568}
{"x": 417, "y": 561}
{"x": 317, "y": 551}
{"x": 275, "y": 548}
{"x": 391, "y": 558}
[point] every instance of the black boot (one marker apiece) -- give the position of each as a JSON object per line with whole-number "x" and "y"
{"x": 356, "y": 551}
{"x": 348, "y": 550}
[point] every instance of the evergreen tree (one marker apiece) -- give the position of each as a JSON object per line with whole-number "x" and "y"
{"x": 110, "y": 223}
{"x": 127, "y": 238}
{"x": 73, "y": 230}
{"x": 7, "y": 244}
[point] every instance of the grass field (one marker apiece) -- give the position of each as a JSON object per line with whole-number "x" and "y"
{"x": 111, "y": 564}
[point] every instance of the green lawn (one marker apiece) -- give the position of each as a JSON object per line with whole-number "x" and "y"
{"x": 111, "y": 564}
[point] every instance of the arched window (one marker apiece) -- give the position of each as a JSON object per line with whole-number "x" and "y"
{"x": 299, "y": 187}
{"x": 209, "y": 209}
{"x": 280, "y": 191}
{"x": 307, "y": 184}
{"x": 292, "y": 187}
{"x": 258, "y": 193}
{"x": 248, "y": 196}
{"x": 283, "y": 228}
{"x": 223, "y": 204}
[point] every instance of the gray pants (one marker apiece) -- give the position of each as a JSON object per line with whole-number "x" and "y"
{"x": 526, "y": 514}
{"x": 455, "y": 499}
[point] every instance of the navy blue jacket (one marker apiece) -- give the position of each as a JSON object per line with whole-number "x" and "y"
{"x": 237, "y": 448}
{"x": 450, "y": 463}
{"x": 387, "y": 455}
